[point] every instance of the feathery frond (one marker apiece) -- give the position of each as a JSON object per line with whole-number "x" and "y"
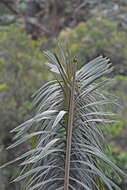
{"x": 69, "y": 146}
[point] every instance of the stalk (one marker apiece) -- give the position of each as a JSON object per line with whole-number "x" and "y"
{"x": 69, "y": 129}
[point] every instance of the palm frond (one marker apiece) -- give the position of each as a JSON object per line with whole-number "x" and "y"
{"x": 69, "y": 148}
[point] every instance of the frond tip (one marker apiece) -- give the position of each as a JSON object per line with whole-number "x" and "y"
{"x": 69, "y": 148}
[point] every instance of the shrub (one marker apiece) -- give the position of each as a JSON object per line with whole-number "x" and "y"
{"x": 21, "y": 72}
{"x": 67, "y": 143}
{"x": 98, "y": 36}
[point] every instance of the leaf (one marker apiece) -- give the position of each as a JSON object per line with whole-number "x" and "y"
{"x": 23, "y": 139}
{"x": 53, "y": 68}
{"x": 59, "y": 117}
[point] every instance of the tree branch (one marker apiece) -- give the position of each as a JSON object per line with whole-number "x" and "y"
{"x": 8, "y": 4}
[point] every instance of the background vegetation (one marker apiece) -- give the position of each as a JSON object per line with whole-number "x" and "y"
{"x": 27, "y": 27}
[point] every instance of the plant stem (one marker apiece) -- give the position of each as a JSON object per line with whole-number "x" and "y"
{"x": 69, "y": 130}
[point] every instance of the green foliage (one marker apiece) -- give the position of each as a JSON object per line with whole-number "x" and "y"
{"x": 122, "y": 160}
{"x": 21, "y": 72}
{"x": 117, "y": 132}
{"x": 98, "y": 36}
{"x": 118, "y": 157}
{"x": 115, "y": 129}
{"x": 3, "y": 86}
{"x": 21, "y": 66}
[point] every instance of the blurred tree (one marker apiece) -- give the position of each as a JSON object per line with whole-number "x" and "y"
{"x": 48, "y": 17}
{"x": 98, "y": 36}
{"x": 21, "y": 73}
